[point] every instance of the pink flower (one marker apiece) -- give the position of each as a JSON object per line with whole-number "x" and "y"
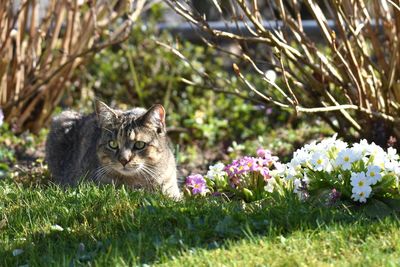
{"x": 265, "y": 173}
{"x": 334, "y": 196}
{"x": 196, "y": 183}
{"x": 263, "y": 153}
{"x": 266, "y": 155}
{"x": 239, "y": 168}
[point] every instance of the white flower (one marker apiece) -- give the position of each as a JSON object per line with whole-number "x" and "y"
{"x": 390, "y": 165}
{"x": 329, "y": 143}
{"x": 270, "y": 185}
{"x": 373, "y": 174}
{"x": 290, "y": 172}
{"x": 311, "y": 147}
{"x": 362, "y": 147}
{"x": 340, "y": 145}
{"x": 391, "y": 162}
{"x": 361, "y": 194}
{"x": 378, "y": 154}
{"x": 361, "y": 187}
{"x": 346, "y": 157}
{"x": 374, "y": 149}
{"x": 279, "y": 171}
{"x": 392, "y": 154}
{"x": 320, "y": 162}
{"x": 216, "y": 171}
{"x": 359, "y": 180}
{"x": 297, "y": 185}
{"x": 300, "y": 156}
{"x": 280, "y": 168}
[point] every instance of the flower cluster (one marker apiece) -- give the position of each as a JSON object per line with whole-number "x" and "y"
{"x": 248, "y": 177}
{"x": 247, "y": 165}
{"x": 330, "y": 168}
{"x": 357, "y": 172}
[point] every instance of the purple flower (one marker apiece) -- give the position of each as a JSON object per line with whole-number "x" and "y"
{"x": 265, "y": 173}
{"x": 239, "y": 169}
{"x": 334, "y": 196}
{"x": 241, "y": 166}
{"x": 266, "y": 155}
{"x": 196, "y": 183}
{"x": 262, "y": 153}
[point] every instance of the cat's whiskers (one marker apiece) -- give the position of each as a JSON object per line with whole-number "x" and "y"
{"x": 152, "y": 173}
{"x": 99, "y": 174}
{"x": 101, "y": 171}
{"x": 144, "y": 172}
{"x": 149, "y": 170}
{"x": 141, "y": 170}
{"x": 148, "y": 177}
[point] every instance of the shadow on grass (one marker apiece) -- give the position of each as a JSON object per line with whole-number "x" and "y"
{"x": 107, "y": 226}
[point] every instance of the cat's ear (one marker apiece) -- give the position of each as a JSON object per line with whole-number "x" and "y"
{"x": 155, "y": 118}
{"x": 105, "y": 114}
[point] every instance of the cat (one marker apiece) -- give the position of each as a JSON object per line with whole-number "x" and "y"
{"x": 113, "y": 146}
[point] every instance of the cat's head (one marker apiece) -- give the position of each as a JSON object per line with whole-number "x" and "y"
{"x": 132, "y": 142}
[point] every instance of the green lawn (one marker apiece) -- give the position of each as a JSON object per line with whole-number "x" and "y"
{"x": 105, "y": 226}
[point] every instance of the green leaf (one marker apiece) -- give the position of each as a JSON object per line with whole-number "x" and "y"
{"x": 4, "y": 166}
{"x": 377, "y": 209}
{"x": 248, "y": 194}
{"x": 393, "y": 203}
{"x": 388, "y": 182}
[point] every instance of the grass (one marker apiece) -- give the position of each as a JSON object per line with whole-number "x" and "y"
{"x": 104, "y": 226}
{"x": 375, "y": 244}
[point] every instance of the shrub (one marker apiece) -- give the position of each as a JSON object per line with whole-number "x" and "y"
{"x": 351, "y": 80}
{"x": 41, "y": 51}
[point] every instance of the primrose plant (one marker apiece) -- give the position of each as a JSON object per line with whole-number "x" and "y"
{"x": 248, "y": 178}
{"x": 334, "y": 169}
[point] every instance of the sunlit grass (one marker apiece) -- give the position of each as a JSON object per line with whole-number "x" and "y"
{"x": 50, "y": 226}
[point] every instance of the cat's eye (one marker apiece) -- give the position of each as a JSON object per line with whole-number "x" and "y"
{"x": 139, "y": 145}
{"x": 113, "y": 144}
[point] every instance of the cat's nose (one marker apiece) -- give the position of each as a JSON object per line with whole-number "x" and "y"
{"x": 125, "y": 157}
{"x": 124, "y": 161}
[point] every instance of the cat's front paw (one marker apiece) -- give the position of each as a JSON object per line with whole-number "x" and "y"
{"x": 173, "y": 192}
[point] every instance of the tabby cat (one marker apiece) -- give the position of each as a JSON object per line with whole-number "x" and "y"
{"x": 113, "y": 146}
